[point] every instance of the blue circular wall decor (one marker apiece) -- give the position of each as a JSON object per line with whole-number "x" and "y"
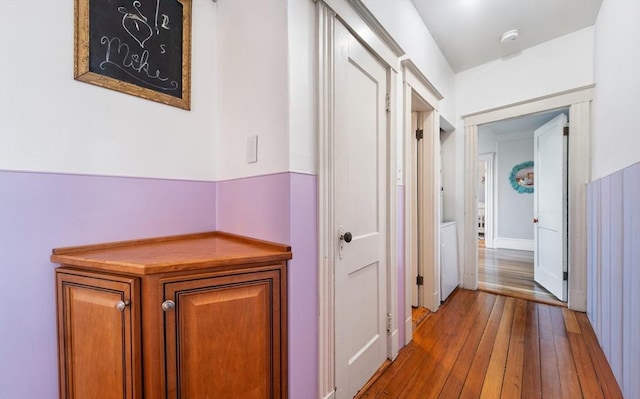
{"x": 522, "y": 184}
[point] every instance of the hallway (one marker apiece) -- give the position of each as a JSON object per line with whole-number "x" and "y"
{"x": 485, "y": 345}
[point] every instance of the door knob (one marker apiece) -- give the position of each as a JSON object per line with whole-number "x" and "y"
{"x": 168, "y": 305}
{"x": 121, "y": 305}
{"x": 535, "y": 220}
{"x": 347, "y": 237}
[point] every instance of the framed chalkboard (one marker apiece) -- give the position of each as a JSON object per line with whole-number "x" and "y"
{"x": 139, "y": 47}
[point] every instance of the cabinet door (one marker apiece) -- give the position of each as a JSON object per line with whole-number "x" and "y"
{"x": 98, "y": 337}
{"x": 223, "y": 338}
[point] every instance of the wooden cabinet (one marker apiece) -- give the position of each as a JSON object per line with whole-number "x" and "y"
{"x": 186, "y": 317}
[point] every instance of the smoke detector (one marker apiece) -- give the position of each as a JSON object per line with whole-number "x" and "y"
{"x": 509, "y": 36}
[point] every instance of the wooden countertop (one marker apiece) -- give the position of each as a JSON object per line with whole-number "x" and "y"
{"x": 173, "y": 253}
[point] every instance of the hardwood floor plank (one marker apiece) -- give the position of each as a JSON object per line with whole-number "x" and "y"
{"x": 549, "y": 373}
{"x": 482, "y": 345}
{"x": 432, "y": 386}
{"x": 570, "y": 321}
{"x": 608, "y": 383}
{"x": 445, "y": 342}
{"x": 512, "y": 384}
{"x": 531, "y": 386}
{"x": 492, "y": 386}
{"x": 557, "y": 320}
{"x": 475, "y": 378}
{"x": 405, "y": 354}
{"x": 569, "y": 383}
{"x": 455, "y": 381}
{"x": 418, "y": 314}
{"x": 424, "y": 343}
{"x": 586, "y": 372}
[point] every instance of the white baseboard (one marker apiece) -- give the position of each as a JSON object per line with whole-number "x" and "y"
{"x": 514, "y": 243}
{"x": 408, "y": 329}
{"x": 331, "y": 395}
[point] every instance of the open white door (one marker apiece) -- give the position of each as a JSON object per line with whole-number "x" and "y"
{"x": 360, "y": 181}
{"x": 550, "y": 206}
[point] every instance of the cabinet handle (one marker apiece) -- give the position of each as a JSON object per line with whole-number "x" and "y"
{"x": 168, "y": 305}
{"x": 121, "y": 305}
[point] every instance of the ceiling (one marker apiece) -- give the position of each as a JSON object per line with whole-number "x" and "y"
{"x": 468, "y": 31}
{"x": 527, "y": 123}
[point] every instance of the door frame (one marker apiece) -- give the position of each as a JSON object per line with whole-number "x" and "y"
{"x": 418, "y": 88}
{"x": 489, "y": 204}
{"x": 579, "y": 103}
{"x": 364, "y": 27}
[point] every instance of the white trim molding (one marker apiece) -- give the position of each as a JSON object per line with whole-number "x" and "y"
{"x": 489, "y": 201}
{"x": 514, "y": 243}
{"x": 470, "y": 231}
{"x": 326, "y": 323}
{"x": 365, "y": 26}
{"x": 579, "y": 102}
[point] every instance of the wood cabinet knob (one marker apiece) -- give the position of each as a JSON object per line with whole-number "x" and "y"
{"x": 122, "y": 305}
{"x": 168, "y": 305}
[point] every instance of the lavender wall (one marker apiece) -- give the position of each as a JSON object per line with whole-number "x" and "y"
{"x": 256, "y": 207}
{"x": 40, "y": 211}
{"x": 283, "y": 208}
{"x": 613, "y": 234}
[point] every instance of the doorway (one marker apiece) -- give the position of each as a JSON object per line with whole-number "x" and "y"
{"x": 512, "y": 266}
{"x": 579, "y": 102}
{"x": 422, "y": 194}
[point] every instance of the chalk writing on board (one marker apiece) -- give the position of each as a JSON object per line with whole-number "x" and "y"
{"x": 119, "y": 56}
{"x": 139, "y": 49}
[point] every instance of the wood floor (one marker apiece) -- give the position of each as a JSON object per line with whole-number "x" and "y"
{"x": 482, "y": 345}
{"x": 510, "y": 272}
{"x": 417, "y": 315}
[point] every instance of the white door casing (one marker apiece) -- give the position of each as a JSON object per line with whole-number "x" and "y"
{"x": 420, "y": 95}
{"x": 579, "y": 102}
{"x": 360, "y": 180}
{"x": 489, "y": 205}
{"x": 550, "y": 206}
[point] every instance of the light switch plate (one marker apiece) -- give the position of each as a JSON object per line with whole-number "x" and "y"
{"x": 252, "y": 149}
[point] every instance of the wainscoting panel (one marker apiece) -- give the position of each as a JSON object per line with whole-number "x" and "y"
{"x": 613, "y": 230}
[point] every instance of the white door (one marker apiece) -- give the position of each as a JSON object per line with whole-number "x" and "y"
{"x": 550, "y": 206}
{"x": 360, "y": 209}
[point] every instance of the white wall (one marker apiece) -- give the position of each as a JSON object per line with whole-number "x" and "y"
{"x": 486, "y": 141}
{"x": 50, "y": 122}
{"x": 253, "y": 87}
{"x": 447, "y": 150}
{"x": 616, "y": 132}
{"x": 400, "y": 18}
{"x": 303, "y": 62}
{"x": 514, "y": 210}
{"x": 551, "y": 67}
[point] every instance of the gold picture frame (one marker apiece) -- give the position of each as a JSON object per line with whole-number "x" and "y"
{"x": 135, "y": 47}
